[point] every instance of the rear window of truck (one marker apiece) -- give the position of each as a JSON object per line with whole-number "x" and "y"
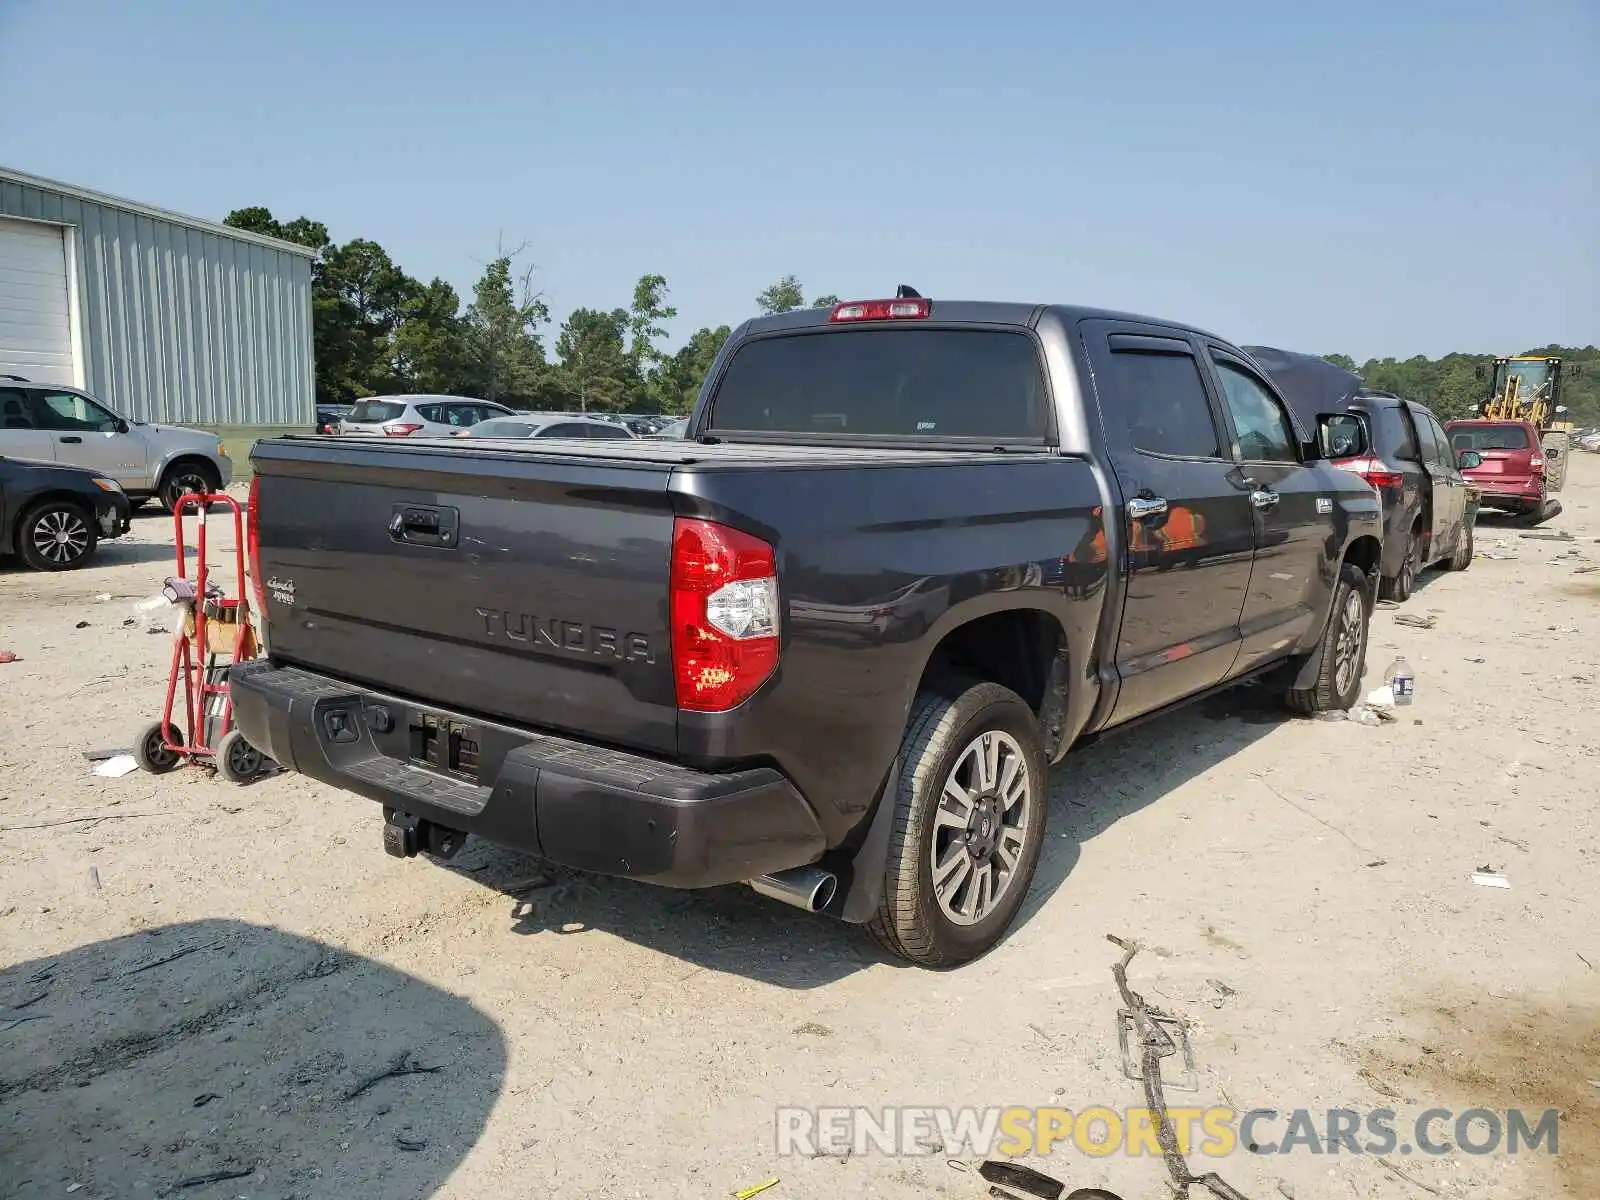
{"x": 908, "y": 383}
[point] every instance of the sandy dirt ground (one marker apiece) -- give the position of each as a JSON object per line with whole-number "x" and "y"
{"x": 202, "y": 987}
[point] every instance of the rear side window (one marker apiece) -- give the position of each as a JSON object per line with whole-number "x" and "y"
{"x": 1489, "y": 437}
{"x": 1400, "y": 441}
{"x": 1428, "y": 447}
{"x": 1165, "y": 404}
{"x": 15, "y": 411}
{"x": 570, "y": 429}
{"x": 608, "y": 431}
{"x": 966, "y": 383}
{"x": 370, "y": 411}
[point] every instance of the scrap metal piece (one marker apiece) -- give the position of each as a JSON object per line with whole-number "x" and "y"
{"x": 1155, "y": 1043}
{"x": 1024, "y": 1179}
{"x": 1171, "y": 1039}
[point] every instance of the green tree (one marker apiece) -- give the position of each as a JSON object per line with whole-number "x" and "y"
{"x": 432, "y": 347}
{"x": 646, "y": 322}
{"x": 783, "y": 296}
{"x": 827, "y": 301}
{"x": 677, "y": 383}
{"x": 598, "y": 370}
{"x": 506, "y": 352}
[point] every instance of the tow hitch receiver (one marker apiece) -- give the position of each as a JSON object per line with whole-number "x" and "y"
{"x": 406, "y": 835}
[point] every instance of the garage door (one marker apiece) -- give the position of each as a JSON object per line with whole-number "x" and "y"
{"x": 35, "y": 321}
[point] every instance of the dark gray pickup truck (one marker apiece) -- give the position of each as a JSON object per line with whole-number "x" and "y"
{"x": 910, "y": 553}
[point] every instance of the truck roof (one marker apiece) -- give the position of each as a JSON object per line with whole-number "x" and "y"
{"x": 978, "y": 312}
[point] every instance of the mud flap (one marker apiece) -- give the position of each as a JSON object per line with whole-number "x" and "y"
{"x": 1311, "y": 666}
{"x": 858, "y": 899}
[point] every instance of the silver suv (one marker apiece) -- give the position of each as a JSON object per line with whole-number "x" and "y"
{"x": 419, "y": 416}
{"x": 49, "y": 422}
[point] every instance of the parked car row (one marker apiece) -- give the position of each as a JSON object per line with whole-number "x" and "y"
{"x": 50, "y": 422}
{"x": 456, "y": 416}
{"x": 1405, "y": 454}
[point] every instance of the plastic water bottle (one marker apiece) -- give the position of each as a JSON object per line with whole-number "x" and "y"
{"x": 1401, "y": 681}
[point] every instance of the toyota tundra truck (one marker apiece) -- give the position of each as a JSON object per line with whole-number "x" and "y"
{"x": 909, "y": 553}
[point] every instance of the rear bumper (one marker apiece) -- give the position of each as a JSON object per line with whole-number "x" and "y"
{"x": 1502, "y": 487}
{"x": 584, "y": 806}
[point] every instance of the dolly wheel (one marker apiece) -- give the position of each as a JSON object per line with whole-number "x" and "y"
{"x": 150, "y": 750}
{"x": 237, "y": 760}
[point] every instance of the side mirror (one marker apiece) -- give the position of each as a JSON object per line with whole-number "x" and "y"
{"x": 1477, "y": 371}
{"x": 1341, "y": 435}
{"x": 1576, "y": 371}
{"x": 1468, "y": 459}
{"x": 122, "y": 426}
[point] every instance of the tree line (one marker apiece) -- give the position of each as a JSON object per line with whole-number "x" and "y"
{"x": 1451, "y": 388}
{"x": 378, "y": 331}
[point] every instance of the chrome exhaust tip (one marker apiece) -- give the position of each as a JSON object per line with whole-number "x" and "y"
{"x": 808, "y": 888}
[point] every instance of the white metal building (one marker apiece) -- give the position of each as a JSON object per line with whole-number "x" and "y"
{"x": 164, "y": 317}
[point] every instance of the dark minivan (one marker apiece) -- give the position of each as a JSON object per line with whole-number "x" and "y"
{"x": 1412, "y": 465}
{"x": 1408, "y": 460}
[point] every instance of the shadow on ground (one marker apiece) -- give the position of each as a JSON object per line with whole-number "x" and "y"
{"x": 228, "y": 1052}
{"x": 733, "y": 930}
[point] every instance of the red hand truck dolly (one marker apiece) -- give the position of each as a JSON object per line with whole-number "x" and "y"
{"x": 201, "y": 659}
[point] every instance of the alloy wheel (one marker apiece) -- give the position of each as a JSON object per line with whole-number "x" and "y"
{"x": 60, "y": 536}
{"x": 980, "y": 827}
{"x": 1349, "y": 642}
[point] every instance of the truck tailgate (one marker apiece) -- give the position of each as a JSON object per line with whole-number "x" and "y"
{"x": 528, "y": 587}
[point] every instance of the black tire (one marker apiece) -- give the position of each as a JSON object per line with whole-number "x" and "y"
{"x": 1462, "y": 558}
{"x": 150, "y": 750}
{"x": 1399, "y": 587}
{"x": 943, "y": 732}
{"x": 237, "y": 760}
{"x": 187, "y": 475}
{"x": 1336, "y": 689}
{"x": 135, "y": 503}
{"x": 57, "y": 535}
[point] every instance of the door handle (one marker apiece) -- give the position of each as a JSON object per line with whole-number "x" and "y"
{"x": 1263, "y": 499}
{"x": 1141, "y": 508}
{"x": 76, "y": 441}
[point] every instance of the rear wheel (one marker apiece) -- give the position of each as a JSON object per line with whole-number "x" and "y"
{"x": 1462, "y": 558}
{"x": 968, "y": 826}
{"x": 184, "y": 477}
{"x": 1399, "y": 586}
{"x": 57, "y": 536}
{"x": 1344, "y": 650}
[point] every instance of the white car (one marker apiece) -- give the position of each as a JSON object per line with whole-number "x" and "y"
{"x": 549, "y": 425}
{"x": 419, "y": 416}
{"x": 48, "y": 422}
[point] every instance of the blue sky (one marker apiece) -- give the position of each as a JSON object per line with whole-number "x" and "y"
{"x": 1375, "y": 178}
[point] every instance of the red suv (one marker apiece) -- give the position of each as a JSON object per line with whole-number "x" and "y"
{"x": 1511, "y": 476}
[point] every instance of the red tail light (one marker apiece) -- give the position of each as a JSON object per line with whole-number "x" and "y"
{"x": 724, "y": 614}
{"x": 400, "y": 429}
{"x": 1375, "y": 471}
{"x": 252, "y": 545}
{"x": 881, "y": 310}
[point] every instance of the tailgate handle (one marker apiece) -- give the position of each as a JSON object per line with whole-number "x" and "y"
{"x": 423, "y": 525}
